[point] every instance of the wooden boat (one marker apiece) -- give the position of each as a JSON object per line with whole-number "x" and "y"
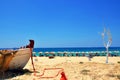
{"x": 15, "y": 59}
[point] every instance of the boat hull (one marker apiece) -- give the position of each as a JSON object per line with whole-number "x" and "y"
{"x": 16, "y": 59}
{"x": 20, "y": 59}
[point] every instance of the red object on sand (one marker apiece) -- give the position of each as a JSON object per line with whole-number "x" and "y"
{"x": 63, "y": 77}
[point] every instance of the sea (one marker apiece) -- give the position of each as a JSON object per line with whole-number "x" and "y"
{"x": 75, "y": 49}
{"x": 72, "y": 51}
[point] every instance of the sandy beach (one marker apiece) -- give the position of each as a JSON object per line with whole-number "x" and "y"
{"x": 75, "y": 68}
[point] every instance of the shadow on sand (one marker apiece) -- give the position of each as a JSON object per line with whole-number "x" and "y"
{"x": 14, "y": 73}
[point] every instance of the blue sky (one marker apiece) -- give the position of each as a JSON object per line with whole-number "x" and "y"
{"x": 58, "y": 23}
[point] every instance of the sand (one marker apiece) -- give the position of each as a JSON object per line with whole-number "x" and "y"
{"x": 75, "y": 68}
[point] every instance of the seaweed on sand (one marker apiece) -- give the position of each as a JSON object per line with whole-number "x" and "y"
{"x": 85, "y": 72}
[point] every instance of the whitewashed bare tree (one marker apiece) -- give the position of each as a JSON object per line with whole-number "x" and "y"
{"x": 107, "y": 41}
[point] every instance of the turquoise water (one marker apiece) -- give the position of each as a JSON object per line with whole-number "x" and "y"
{"x": 82, "y": 51}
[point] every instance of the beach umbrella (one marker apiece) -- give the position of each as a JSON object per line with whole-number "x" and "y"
{"x": 47, "y": 54}
{"x": 92, "y": 53}
{"x": 64, "y": 53}
{"x": 98, "y": 53}
{"x": 42, "y": 53}
{"x": 33, "y": 53}
{"x": 60, "y": 53}
{"x": 67, "y": 54}
{"x": 87, "y": 54}
{"x": 83, "y": 53}
{"x": 57, "y": 53}
{"x": 118, "y": 53}
{"x": 77, "y": 53}
{"x": 37, "y": 54}
{"x": 80, "y": 54}
{"x": 52, "y": 53}
{"x": 73, "y": 53}
{"x": 104, "y": 53}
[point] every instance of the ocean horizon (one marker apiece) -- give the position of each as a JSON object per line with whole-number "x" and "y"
{"x": 70, "y": 49}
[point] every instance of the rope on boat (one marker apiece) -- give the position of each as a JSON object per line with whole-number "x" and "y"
{"x": 32, "y": 59}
